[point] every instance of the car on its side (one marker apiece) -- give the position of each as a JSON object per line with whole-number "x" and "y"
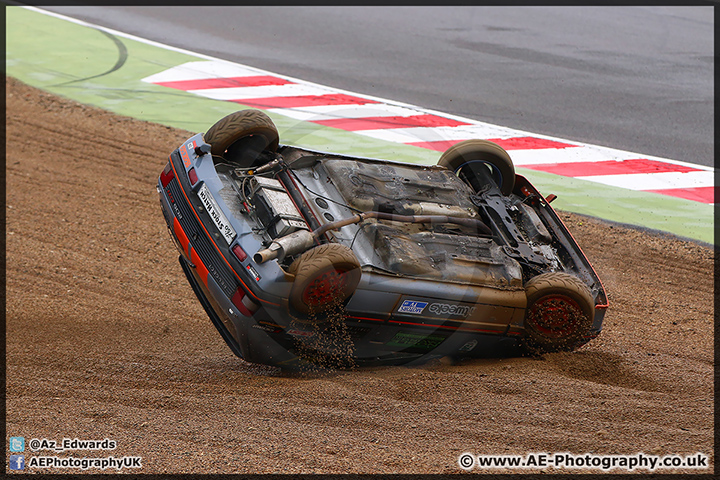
{"x": 301, "y": 257}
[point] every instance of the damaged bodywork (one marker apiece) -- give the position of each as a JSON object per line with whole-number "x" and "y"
{"x": 300, "y": 256}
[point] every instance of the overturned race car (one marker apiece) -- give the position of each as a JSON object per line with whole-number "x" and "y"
{"x": 304, "y": 258}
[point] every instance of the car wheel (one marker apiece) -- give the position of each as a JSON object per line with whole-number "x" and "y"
{"x": 241, "y": 136}
{"x": 467, "y": 157}
{"x": 324, "y": 276}
{"x": 560, "y": 311}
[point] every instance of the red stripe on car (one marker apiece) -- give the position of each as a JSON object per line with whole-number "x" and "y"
{"x": 464, "y": 329}
{"x": 180, "y": 234}
{"x": 199, "y": 266}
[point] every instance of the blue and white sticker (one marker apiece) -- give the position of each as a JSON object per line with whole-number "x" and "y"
{"x": 412, "y": 306}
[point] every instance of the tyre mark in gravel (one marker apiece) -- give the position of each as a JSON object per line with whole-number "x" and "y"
{"x": 131, "y": 176}
{"x": 607, "y": 369}
{"x": 90, "y": 138}
{"x": 677, "y": 270}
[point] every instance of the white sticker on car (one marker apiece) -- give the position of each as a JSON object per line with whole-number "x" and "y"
{"x": 218, "y": 217}
{"x": 412, "y": 306}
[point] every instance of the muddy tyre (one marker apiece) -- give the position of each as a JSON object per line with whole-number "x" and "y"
{"x": 560, "y": 312}
{"x": 325, "y": 276}
{"x": 241, "y": 136}
{"x": 468, "y": 157}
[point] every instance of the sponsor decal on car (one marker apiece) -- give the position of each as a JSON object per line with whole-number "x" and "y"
{"x": 418, "y": 341}
{"x": 444, "y": 309}
{"x": 176, "y": 210}
{"x": 254, "y": 273}
{"x": 184, "y": 153}
{"x": 413, "y": 307}
{"x": 217, "y": 216}
{"x": 267, "y": 328}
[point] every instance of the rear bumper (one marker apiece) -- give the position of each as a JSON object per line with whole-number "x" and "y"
{"x": 241, "y": 331}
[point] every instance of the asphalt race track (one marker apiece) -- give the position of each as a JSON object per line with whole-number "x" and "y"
{"x": 634, "y": 78}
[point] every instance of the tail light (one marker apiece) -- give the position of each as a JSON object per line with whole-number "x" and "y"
{"x": 244, "y": 305}
{"x": 192, "y": 175}
{"x": 239, "y": 252}
{"x": 167, "y": 175}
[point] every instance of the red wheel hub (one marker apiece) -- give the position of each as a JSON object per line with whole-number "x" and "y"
{"x": 325, "y": 288}
{"x": 555, "y": 316}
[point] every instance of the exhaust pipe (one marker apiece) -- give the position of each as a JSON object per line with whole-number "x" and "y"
{"x": 296, "y": 242}
{"x": 301, "y": 240}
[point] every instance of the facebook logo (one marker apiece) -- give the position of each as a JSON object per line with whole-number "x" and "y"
{"x": 17, "y": 444}
{"x": 17, "y": 462}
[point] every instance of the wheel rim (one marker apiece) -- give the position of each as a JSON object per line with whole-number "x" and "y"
{"x": 495, "y": 172}
{"x": 555, "y": 316}
{"x": 325, "y": 288}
